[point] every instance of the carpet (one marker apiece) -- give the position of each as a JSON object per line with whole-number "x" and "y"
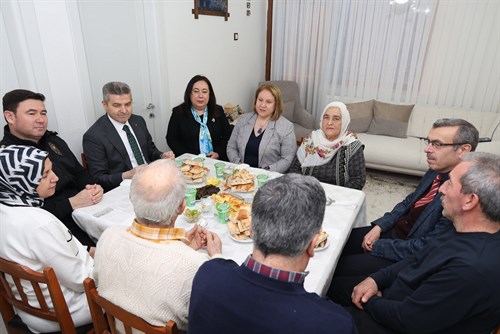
{"x": 384, "y": 190}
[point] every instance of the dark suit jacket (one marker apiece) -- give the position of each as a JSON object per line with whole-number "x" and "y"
{"x": 429, "y": 224}
{"x": 183, "y": 132}
{"x": 106, "y": 155}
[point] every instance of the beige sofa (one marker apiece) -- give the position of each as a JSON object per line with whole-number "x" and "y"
{"x": 388, "y": 147}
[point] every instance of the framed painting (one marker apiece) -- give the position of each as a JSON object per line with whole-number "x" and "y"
{"x": 211, "y": 7}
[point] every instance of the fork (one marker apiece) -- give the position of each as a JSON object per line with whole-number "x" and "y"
{"x": 329, "y": 201}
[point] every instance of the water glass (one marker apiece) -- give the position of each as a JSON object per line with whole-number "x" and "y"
{"x": 262, "y": 179}
{"x": 190, "y": 196}
{"x": 223, "y": 212}
{"x": 219, "y": 168}
{"x": 207, "y": 208}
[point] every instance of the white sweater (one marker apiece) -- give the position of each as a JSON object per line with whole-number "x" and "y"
{"x": 150, "y": 280}
{"x": 37, "y": 239}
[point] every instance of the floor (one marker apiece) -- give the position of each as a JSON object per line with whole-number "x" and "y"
{"x": 384, "y": 190}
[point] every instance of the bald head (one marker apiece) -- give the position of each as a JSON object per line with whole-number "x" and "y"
{"x": 156, "y": 192}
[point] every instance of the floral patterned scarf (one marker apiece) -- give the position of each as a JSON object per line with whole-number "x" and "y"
{"x": 21, "y": 169}
{"x": 316, "y": 149}
{"x": 204, "y": 137}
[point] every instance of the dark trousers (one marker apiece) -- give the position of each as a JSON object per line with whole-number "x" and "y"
{"x": 354, "y": 266}
{"x": 365, "y": 323}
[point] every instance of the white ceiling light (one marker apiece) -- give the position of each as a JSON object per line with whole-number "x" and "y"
{"x": 401, "y": 1}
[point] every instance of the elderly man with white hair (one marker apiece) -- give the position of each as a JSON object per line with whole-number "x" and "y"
{"x": 148, "y": 268}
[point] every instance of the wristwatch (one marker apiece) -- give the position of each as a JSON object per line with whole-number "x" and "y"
{"x": 266, "y": 168}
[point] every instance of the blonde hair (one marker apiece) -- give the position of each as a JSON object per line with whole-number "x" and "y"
{"x": 278, "y": 100}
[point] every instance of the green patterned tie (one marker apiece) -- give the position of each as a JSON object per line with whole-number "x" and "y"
{"x": 133, "y": 145}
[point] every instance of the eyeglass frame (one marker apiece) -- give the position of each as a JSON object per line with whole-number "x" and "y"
{"x": 438, "y": 145}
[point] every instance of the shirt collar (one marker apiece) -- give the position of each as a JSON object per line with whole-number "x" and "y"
{"x": 277, "y": 274}
{"x": 158, "y": 234}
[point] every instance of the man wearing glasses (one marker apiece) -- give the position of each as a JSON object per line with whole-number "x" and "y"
{"x": 412, "y": 222}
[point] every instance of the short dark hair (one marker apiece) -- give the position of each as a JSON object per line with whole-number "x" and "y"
{"x": 12, "y": 99}
{"x": 466, "y": 133}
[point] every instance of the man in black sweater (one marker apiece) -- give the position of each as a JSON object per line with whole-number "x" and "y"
{"x": 26, "y": 117}
{"x": 451, "y": 286}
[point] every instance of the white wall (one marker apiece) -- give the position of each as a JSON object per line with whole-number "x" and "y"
{"x": 42, "y": 50}
{"x": 206, "y": 46}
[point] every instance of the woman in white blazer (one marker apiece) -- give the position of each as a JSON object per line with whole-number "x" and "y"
{"x": 263, "y": 138}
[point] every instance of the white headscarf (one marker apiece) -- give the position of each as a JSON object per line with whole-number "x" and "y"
{"x": 316, "y": 149}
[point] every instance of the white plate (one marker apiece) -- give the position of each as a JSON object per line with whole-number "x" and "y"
{"x": 319, "y": 249}
{"x": 243, "y": 241}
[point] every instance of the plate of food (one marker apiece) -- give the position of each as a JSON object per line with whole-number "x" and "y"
{"x": 193, "y": 171}
{"x": 322, "y": 242}
{"x": 239, "y": 225}
{"x": 241, "y": 181}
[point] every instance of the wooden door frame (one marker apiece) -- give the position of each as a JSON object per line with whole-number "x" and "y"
{"x": 269, "y": 38}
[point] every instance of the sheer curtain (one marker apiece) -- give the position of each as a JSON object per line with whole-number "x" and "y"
{"x": 364, "y": 49}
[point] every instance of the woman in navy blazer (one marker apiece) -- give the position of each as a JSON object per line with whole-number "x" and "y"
{"x": 187, "y": 129}
{"x": 263, "y": 138}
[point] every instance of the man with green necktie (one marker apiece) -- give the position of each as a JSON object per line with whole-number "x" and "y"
{"x": 118, "y": 143}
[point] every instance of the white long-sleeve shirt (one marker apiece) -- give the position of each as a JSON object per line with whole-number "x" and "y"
{"x": 37, "y": 239}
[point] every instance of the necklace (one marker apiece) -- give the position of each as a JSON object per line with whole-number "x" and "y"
{"x": 262, "y": 126}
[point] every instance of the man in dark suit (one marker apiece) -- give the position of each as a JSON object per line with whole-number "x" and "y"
{"x": 118, "y": 143}
{"x": 413, "y": 222}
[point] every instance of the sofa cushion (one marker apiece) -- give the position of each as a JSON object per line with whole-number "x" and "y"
{"x": 361, "y": 115}
{"x": 390, "y": 119}
{"x": 394, "y": 154}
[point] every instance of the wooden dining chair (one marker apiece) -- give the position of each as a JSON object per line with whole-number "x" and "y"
{"x": 99, "y": 305}
{"x": 8, "y": 299}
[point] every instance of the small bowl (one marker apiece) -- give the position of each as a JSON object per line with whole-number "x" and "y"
{"x": 192, "y": 215}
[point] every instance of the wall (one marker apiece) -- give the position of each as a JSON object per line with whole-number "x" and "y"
{"x": 42, "y": 50}
{"x": 206, "y": 46}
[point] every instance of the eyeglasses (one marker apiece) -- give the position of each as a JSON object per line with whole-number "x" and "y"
{"x": 437, "y": 144}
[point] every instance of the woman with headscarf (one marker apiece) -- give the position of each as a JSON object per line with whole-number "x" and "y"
{"x": 332, "y": 153}
{"x": 34, "y": 237}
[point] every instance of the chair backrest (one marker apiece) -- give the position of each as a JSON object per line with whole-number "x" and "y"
{"x": 98, "y": 305}
{"x": 8, "y": 299}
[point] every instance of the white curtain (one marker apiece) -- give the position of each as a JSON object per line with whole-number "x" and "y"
{"x": 364, "y": 49}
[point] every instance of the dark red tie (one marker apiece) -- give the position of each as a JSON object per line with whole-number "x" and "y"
{"x": 431, "y": 194}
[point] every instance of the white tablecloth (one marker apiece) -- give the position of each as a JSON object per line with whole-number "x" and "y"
{"x": 348, "y": 210}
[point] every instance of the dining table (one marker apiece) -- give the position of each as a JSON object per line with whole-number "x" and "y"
{"x": 345, "y": 208}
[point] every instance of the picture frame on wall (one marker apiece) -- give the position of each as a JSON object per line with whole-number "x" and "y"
{"x": 211, "y": 7}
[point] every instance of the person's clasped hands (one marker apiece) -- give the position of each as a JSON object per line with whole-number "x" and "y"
{"x": 200, "y": 237}
{"x": 92, "y": 194}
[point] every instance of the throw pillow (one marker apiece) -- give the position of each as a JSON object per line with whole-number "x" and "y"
{"x": 390, "y": 119}
{"x": 361, "y": 115}
{"x": 288, "y": 108}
